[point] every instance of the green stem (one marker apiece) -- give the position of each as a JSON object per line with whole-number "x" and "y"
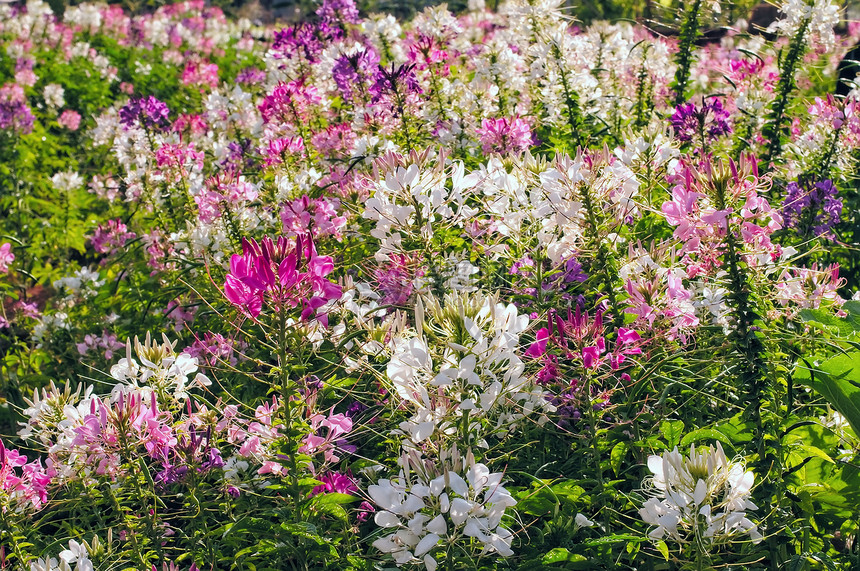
{"x": 773, "y": 129}
{"x": 684, "y": 59}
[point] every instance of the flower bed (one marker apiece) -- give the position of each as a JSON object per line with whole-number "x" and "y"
{"x": 477, "y": 291}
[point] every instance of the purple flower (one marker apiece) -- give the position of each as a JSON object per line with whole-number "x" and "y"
{"x": 338, "y": 12}
{"x": 15, "y": 115}
{"x": 397, "y": 80}
{"x": 170, "y": 474}
{"x": 355, "y": 409}
{"x": 213, "y": 460}
{"x": 812, "y": 208}
{"x": 707, "y": 122}
{"x": 148, "y": 112}
{"x": 251, "y": 75}
{"x": 300, "y": 40}
{"x": 358, "y": 70}
{"x": 572, "y": 272}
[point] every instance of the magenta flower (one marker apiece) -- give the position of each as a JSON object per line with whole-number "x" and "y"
{"x": 291, "y": 103}
{"x": 25, "y": 484}
{"x": 287, "y": 274}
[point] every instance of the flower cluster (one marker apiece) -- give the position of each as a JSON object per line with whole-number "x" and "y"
{"x": 703, "y": 496}
{"x": 147, "y": 112}
{"x": 428, "y": 508}
{"x": 704, "y": 124}
{"x": 286, "y": 274}
{"x": 812, "y": 208}
{"x": 23, "y": 485}
{"x": 15, "y": 115}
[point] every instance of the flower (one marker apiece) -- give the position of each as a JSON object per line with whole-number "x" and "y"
{"x": 15, "y": 115}
{"x": 708, "y": 122}
{"x": 703, "y": 495}
{"x": 147, "y": 112}
{"x": 820, "y": 17}
{"x": 70, "y": 120}
{"x": 6, "y": 257}
{"x": 287, "y": 273}
{"x": 505, "y": 135}
{"x": 436, "y": 505}
{"x": 812, "y": 208}
{"x": 356, "y": 72}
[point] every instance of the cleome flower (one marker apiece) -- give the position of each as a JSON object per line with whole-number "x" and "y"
{"x": 161, "y": 371}
{"x": 287, "y": 273}
{"x": 432, "y": 505}
{"x": 704, "y": 495}
{"x": 463, "y": 368}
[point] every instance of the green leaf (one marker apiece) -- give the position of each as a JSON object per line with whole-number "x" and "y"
{"x": 705, "y": 434}
{"x": 616, "y": 457}
{"x": 609, "y": 539}
{"x": 672, "y": 430}
{"x": 663, "y": 549}
{"x": 335, "y": 498}
{"x": 845, "y": 328}
{"x": 561, "y": 555}
{"x": 838, "y": 380}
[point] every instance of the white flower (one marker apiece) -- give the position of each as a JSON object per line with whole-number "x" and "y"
{"x": 821, "y": 15}
{"x": 66, "y": 181}
{"x": 77, "y": 553}
{"x": 582, "y": 521}
{"x": 44, "y": 565}
{"x": 704, "y": 486}
{"x": 423, "y": 511}
{"x": 53, "y": 95}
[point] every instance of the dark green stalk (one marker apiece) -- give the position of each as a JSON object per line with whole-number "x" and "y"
{"x": 603, "y": 259}
{"x": 747, "y": 342}
{"x": 752, "y": 375}
{"x": 643, "y": 93}
{"x": 287, "y": 390}
{"x": 823, "y": 169}
{"x": 684, "y": 58}
{"x": 773, "y": 128}
{"x": 571, "y": 100}
{"x": 230, "y": 222}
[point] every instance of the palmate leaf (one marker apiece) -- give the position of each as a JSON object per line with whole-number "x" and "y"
{"x": 847, "y": 327}
{"x": 837, "y": 379}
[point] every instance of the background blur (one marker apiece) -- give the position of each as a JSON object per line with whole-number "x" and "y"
{"x": 664, "y": 11}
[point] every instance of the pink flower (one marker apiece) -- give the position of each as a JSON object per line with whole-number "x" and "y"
{"x": 27, "y": 488}
{"x": 111, "y": 236}
{"x": 70, "y": 120}
{"x": 504, "y": 135}
{"x": 6, "y": 257}
{"x": 538, "y": 348}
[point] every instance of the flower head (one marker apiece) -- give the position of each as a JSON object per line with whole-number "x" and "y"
{"x": 702, "y": 491}
{"x": 147, "y": 112}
